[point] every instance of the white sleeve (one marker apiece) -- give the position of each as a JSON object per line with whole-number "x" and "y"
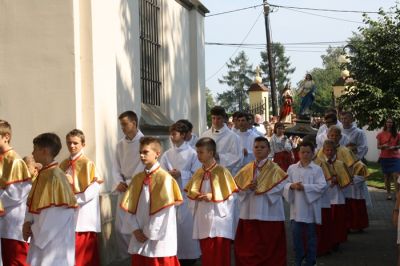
{"x": 157, "y": 227}
{"x": 314, "y": 191}
{"x": 90, "y": 193}
{"x": 15, "y": 194}
{"x": 276, "y": 193}
{"x": 287, "y": 192}
{"x": 52, "y": 221}
{"x": 233, "y": 155}
{"x": 118, "y": 178}
{"x": 288, "y": 145}
{"x": 222, "y": 208}
{"x": 129, "y": 223}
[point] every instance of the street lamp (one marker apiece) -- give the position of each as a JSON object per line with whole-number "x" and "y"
{"x": 339, "y": 86}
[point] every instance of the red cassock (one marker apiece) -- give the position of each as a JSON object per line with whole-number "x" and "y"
{"x": 86, "y": 249}
{"x": 284, "y": 159}
{"x": 339, "y": 224}
{"x": 139, "y": 260}
{"x": 325, "y": 232}
{"x": 215, "y": 251}
{"x": 357, "y": 214}
{"x": 14, "y": 252}
{"x": 260, "y": 243}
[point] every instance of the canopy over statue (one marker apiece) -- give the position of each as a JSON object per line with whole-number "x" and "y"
{"x": 307, "y": 94}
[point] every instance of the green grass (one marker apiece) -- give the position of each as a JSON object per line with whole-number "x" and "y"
{"x": 375, "y": 178}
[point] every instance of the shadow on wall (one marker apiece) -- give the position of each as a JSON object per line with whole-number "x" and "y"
{"x": 127, "y": 72}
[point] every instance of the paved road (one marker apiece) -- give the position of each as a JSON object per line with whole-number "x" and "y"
{"x": 376, "y": 246}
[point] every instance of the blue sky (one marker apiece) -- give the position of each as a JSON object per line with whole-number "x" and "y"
{"x": 287, "y": 26}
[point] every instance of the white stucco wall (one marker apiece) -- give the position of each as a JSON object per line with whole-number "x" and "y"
{"x": 175, "y": 52}
{"x": 373, "y": 152}
{"x": 37, "y": 67}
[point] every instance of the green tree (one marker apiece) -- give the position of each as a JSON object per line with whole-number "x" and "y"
{"x": 210, "y": 103}
{"x": 375, "y": 65}
{"x": 239, "y": 78}
{"x": 281, "y": 64}
{"x": 324, "y": 78}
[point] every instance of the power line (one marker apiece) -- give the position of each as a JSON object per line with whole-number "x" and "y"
{"x": 232, "y": 11}
{"x": 323, "y": 16}
{"x": 326, "y": 10}
{"x": 237, "y": 49}
{"x": 296, "y": 7}
{"x": 289, "y": 43}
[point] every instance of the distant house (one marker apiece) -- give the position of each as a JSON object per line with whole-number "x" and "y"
{"x": 78, "y": 64}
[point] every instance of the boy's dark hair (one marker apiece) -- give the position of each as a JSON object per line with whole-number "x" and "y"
{"x": 179, "y": 127}
{"x": 347, "y": 113}
{"x": 242, "y": 114}
{"x": 278, "y": 124}
{"x": 219, "y": 111}
{"x": 331, "y": 116}
{"x": 5, "y": 128}
{"x": 131, "y": 116}
{"x": 76, "y": 133}
{"x": 236, "y": 114}
{"x": 262, "y": 139}
{"x": 306, "y": 143}
{"x": 187, "y": 123}
{"x": 151, "y": 141}
{"x": 50, "y": 141}
{"x": 208, "y": 143}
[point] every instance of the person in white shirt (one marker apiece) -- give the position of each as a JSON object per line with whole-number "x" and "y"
{"x": 211, "y": 193}
{"x": 15, "y": 184}
{"x": 357, "y": 138}
{"x": 85, "y": 183}
{"x": 181, "y": 162}
{"x": 247, "y": 137}
{"x": 322, "y": 134}
{"x": 260, "y": 237}
{"x": 229, "y": 151}
{"x": 150, "y": 212}
{"x": 127, "y": 163}
{"x": 306, "y": 184}
{"x": 49, "y": 219}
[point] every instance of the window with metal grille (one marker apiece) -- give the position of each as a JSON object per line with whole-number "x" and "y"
{"x": 150, "y": 74}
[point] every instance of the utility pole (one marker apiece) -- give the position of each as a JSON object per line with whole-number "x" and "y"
{"x": 270, "y": 62}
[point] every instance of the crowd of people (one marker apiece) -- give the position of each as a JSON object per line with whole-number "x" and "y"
{"x": 196, "y": 198}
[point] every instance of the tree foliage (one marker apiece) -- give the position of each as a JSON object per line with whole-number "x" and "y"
{"x": 375, "y": 65}
{"x": 281, "y": 64}
{"x": 239, "y": 78}
{"x": 210, "y": 103}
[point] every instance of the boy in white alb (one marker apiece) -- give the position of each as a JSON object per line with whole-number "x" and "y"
{"x": 181, "y": 162}
{"x": 305, "y": 186}
{"x": 15, "y": 184}
{"x": 211, "y": 193}
{"x": 49, "y": 219}
{"x": 150, "y": 215}
{"x": 246, "y": 137}
{"x": 85, "y": 182}
{"x": 229, "y": 150}
{"x": 260, "y": 236}
{"x": 127, "y": 164}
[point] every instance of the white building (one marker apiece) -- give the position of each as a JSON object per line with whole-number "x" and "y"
{"x": 68, "y": 64}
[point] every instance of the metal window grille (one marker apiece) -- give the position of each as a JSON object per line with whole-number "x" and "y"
{"x": 150, "y": 76}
